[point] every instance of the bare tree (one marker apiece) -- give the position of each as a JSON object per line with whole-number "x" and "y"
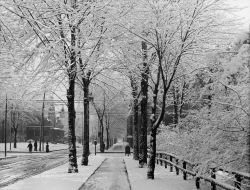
{"x": 174, "y": 35}
{"x": 144, "y": 106}
{"x": 135, "y": 95}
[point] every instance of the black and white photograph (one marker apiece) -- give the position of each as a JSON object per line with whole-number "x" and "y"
{"x": 124, "y": 94}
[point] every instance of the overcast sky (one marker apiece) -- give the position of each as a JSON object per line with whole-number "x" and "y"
{"x": 244, "y": 12}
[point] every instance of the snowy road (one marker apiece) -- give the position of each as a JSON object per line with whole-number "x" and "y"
{"x": 22, "y": 166}
{"x": 112, "y": 175}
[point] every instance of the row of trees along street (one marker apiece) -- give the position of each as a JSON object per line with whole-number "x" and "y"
{"x": 157, "y": 55}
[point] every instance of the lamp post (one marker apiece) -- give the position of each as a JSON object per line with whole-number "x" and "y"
{"x": 11, "y": 108}
{"x": 95, "y": 142}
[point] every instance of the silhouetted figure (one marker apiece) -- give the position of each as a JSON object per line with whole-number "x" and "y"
{"x": 35, "y": 145}
{"x": 30, "y": 146}
{"x": 47, "y": 147}
{"x": 103, "y": 146}
{"x": 127, "y": 150}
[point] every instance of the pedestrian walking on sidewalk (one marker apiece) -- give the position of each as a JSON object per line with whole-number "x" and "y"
{"x": 47, "y": 147}
{"x": 30, "y": 146}
{"x": 127, "y": 150}
{"x": 35, "y": 145}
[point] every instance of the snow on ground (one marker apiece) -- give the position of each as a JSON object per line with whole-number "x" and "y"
{"x": 58, "y": 178}
{"x": 164, "y": 180}
{"x": 22, "y": 148}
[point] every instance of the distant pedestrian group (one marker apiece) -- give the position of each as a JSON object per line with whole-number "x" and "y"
{"x": 30, "y": 146}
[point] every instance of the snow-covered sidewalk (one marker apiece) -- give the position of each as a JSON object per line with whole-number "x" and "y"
{"x": 164, "y": 180}
{"x": 58, "y": 178}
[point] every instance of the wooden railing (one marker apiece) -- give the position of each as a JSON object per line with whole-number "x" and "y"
{"x": 187, "y": 168}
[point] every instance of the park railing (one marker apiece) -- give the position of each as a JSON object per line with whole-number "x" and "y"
{"x": 187, "y": 167}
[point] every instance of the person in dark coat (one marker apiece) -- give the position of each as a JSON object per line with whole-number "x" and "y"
{"x": 47, "y": 147}
{"x": 30, "y": 146}
{"x": 127, "y": 150}
{"x": 35, "y": 145}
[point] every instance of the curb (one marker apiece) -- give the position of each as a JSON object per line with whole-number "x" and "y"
{"x": 91, "y": 175}
{"x": 126, "y": 171}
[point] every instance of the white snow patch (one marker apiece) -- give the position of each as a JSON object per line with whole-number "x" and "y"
{"x": 58, "y": 178}
{"x": 22, "y": 148}
{"x": 164, "y": 180}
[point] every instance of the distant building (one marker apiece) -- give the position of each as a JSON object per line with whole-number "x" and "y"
{"x": 53, "y": 127}
{"x": 50, "y": 133}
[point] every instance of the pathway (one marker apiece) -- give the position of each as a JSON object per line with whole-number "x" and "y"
{"x": 112, "y": 175}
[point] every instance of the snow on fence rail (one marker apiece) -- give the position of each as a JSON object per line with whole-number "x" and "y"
{"x": 187, "y": 166}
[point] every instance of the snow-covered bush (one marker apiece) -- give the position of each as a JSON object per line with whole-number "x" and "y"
{"x": 216, "y": 133}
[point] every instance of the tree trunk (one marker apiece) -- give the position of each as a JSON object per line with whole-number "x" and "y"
{"x": 176, "y": 102}
{"x": 135, "y": 120}
{"x": 210, "y": 95}
{"x": 107, "y": 131}
{"x": 71, "y": 133}
{"x": 101, "y": 137}
{"x": 85, "y": 153}
{"x": 155, "y": 121}
{"x": 14, "y": 120}
{"x": 15, "y": 135}
{"x": 107, "y": 120}
{"x": 144, "y": 101}
{"x": 71, "y": 97}
{"x": 152, "y": 155}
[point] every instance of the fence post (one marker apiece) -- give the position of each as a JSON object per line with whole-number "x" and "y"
{"x": 176, "y": 168}
{"x": 160, "y": 155}
{"x": 184, "y": 165}
{"x": 166, "y": 164}
{"x": 171, "y": 165}
{"x": 213, "y": 176}
{"x": 238, "y": 179}
{"x": 157, "y": 161}
{"x": 197, "y": 182}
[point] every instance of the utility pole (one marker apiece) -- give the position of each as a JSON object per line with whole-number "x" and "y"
{"x": 10, "y": 137}
{"x": 43, "y": 121}
{"x": 41, "y": 145}
{"x": 2, "y": 141}
{"x": 5, "y": 124}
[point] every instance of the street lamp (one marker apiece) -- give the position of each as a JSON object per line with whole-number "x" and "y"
{"x": 95, "y": 143}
